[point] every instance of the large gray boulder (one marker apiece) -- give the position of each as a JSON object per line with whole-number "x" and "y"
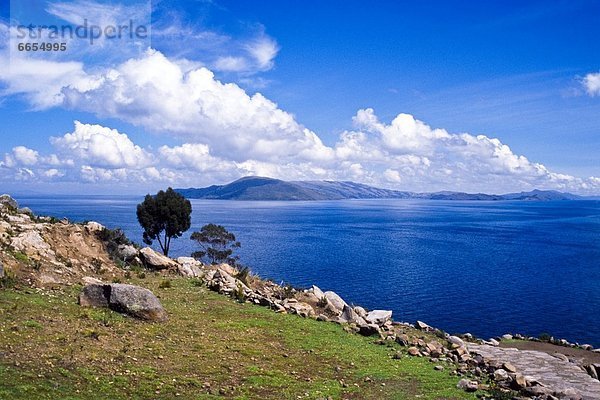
{"x": 94, "y": 295}
{"x": 155, "y": 260}
{"x": 136, "y": 301}
{"x": 128, "y": 299}
{"x": 6, "y": 200}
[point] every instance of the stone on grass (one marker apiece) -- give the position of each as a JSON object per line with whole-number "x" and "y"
{"x": 468, "y": 385}
{"x": 136, "y": 301}
{"x": 133, "y": 300}
{"x": 94, "y": 295}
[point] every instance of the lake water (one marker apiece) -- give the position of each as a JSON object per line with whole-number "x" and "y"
{"x": 482, "y": 267}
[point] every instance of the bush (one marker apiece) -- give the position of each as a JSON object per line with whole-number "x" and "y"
{"x": 165, "y": 283}
{"x": 243, "y": 275}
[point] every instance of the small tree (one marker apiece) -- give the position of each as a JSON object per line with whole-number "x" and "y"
{"x": 164, "y": 216}
{"x": 217, "y": 244}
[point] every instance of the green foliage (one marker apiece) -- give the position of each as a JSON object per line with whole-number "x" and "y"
{"x": 196, "y": 282}
{"x": 8, "y": 280}
{"x": 165, "y": 284}
{"x": 545, "y": 337}
{"x": 217, "y": 243}
{"x": 21, "y": 257}
{"x": 243, "y": 275}
{"x": 163, "y": 217}
{"x": 239, "y": 294}
{"x": 113, "y": 238}
{"x": 322, "y": 302}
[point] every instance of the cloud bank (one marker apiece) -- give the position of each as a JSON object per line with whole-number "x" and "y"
{"x": 223, "y": 133}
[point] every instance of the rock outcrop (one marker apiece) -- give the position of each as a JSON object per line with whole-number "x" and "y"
{"x": 132, "y": 300}
{"x": 9, "y": 202}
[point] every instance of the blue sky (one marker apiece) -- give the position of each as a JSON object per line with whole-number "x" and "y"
{"x": 332, "y": 79}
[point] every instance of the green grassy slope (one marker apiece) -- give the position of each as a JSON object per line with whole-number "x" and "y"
{"x": 212, "y": 347}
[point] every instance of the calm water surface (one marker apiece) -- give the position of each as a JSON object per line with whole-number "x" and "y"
{"x": 482, "y": 267}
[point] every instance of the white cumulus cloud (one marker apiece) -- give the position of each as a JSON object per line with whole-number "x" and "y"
{"x": 591, "y": 83}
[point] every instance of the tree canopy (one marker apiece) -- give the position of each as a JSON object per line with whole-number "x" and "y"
{"x": 164, "y": 216}
{"x": 217, "y": 245}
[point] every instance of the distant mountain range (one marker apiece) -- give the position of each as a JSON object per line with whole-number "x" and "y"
{"x": 259, "y": 188}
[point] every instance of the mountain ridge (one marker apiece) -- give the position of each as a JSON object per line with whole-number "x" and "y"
{"x": 270, "y": 189}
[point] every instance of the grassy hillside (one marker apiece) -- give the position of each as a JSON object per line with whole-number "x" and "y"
{"x": 212, "y": 347}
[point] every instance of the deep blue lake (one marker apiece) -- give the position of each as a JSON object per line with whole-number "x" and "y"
{"x": 487, "y": 268}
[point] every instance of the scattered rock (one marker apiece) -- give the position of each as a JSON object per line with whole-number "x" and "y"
{"x": 423, "y": 326}
{"x": 402, "y": 339}
{"x": 1, "y": 270}
{"x": 507, "y": 337}
{"x": 349, "y": 316}
{"x": 456, "y": 341}
{"x": 413, "y": 351}
{"x": 368, "y": 330}
{"x": 509, "y": 367}
{"x": 189, "y": 267}
{"x": 360, "y": 311}
{"x": 468, "y": 385}
{"x": 154, "y": 260}
{"x": 500, "y": 375}
{"x": 519, "y": 382}
{"x": 379, "y": 317}
{"x": 438, "y": 368}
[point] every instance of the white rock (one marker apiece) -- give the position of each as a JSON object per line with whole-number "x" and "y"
{"x": 94, "y": 226}
{"x": 317, "y": 291}
{"x": 155, "y": 260}
{"x": 335, "y": 300}
{"x": 31, "y": 243}
{"x": 379, "y": 317}
{"x": 88, "y": 280}
{"x": 456, "y": 340}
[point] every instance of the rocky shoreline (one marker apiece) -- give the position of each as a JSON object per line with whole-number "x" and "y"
{"x": 58, "y": 252}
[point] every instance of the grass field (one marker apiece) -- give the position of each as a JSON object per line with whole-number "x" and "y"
{"x": 211, "y": 347}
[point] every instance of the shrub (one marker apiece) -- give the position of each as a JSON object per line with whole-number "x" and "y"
{"x": 8, "y": 280}
{"x": 165, "y": 283}
{"x": 322, "y": 302}
{"x": 243, "y": 275}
